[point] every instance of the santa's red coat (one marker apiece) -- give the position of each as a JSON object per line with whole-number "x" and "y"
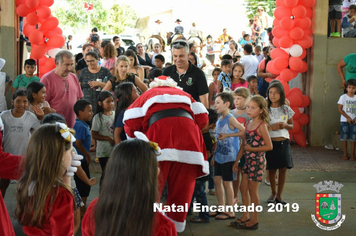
{"x": 179, "y": 138}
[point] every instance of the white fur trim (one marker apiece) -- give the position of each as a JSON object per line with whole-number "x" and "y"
{"x": 189, "y": 157}
{"x": 199, "y": 108}
{"x": 180, "y": 226}
{"x": 169, "y": 82}
{"x": 138, "y": 112}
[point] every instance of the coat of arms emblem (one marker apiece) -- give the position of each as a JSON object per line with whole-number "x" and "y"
{"x": 328, "y": 206}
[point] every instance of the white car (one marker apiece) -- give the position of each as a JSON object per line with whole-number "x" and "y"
{"x": 126, "y": 41}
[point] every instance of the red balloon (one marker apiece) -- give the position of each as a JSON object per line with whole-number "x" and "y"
{"x": 280, "y": 63}
{"x": 305, "y": 101}
{"x": 279, "y": 32}
{"x": 43, "y": 70}
{"x": 303, "y": 23}
{"x": 286, "y": 41}
{"x": 41, "y": 20}
{"x": 27, "y": 29}
{"x": 290, "y": 3}
{"x": 50, "y": 63}
{"x": 309, "y": 13}
{"x": 275, "y": 22}
{"x": 50, "y": 33}
{"x": 50, "y": 23}
{"x": 277, "y": 52}
{"x": 295, "y": 64}
{"x": 294, "y": 99}
{"x": 304, "y": 68}
{"x": 275, "y": 42}
{"x": 296, "y": 91}
{"x": 303, "y": 54}
{"x": 56, "y": 41}
{"x": 299, "y": 11}
{"x": 268, "y": 80}
{"x": 296, "y": 113}
{"x": 305, "y": 42}
{"x": 38, "y": 51}
{"x": 308, "y": 31}
{"x": 36, "y": 36}
{"x": 42, "y": 60}
{"x": 23, "y": 10}
{"x": 303, "y": 119}
{"x": 287, "y": 75}
{"x": 300, "y": 139}
{"x": 296, "y": 33}
{"x": 286, "y": 87}
{"x": 47, "y": 2}
{"x": 283, "y": 11}
{"x": 307, "y": 3}
{"x": 32, "y": 18}
{"x": 287, "y": 23}
{"x": 19, "y": 2}
{"x": 271, "y": 69}
{"x": 43, "y": 11}
{"x": 32, "y": 3}
{"x": 296, "y": 127}
{"x": 280, "y": 3}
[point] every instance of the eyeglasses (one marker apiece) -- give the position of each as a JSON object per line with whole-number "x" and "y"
{"x": 90, "y": 61}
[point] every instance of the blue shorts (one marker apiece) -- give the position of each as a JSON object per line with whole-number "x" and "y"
{"x": 348, "y": 132}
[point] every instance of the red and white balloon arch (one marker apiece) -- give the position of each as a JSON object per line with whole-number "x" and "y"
{"x": 42, "y": 30}
{"x": 292, "y": 36}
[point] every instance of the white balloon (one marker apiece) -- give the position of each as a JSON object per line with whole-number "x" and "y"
{"x": 52, "y": 53}
{"x": 296, "y": 50}
{"x": 286, "y": 50}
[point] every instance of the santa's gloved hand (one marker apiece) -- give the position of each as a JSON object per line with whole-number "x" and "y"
{"x": 74, "y": 163}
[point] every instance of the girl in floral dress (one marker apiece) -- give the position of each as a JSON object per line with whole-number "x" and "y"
{"x": 256, "y": 145}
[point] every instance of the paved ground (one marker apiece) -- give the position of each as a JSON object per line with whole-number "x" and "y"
{"x": 311, "y": 165}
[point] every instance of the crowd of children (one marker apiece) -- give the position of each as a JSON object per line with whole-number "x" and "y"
{"x": 246, "y": 127}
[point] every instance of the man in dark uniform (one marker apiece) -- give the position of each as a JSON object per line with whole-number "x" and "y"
{"x": 188, "y": 76}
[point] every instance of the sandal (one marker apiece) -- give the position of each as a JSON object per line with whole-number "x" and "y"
{"x": 237, "y": 222}
{"x": 212, "y": 192}
{"x": 197, "y": 219}
{"x": 344, "y": 158}
{"x": 248, "y": 227}
{"x": 213, "y": 214}
{"x": 353, "y": 159}
{"x": 225, "y": 216}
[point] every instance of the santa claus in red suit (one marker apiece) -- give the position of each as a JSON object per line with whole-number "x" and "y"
{"x": 173, "y": 119}
{"x": 9, "y": 169}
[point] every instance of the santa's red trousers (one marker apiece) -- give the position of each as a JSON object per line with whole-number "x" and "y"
{"x": 180, "y": 178}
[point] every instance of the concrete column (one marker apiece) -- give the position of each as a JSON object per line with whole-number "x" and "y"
{"x": 9, "y": 40}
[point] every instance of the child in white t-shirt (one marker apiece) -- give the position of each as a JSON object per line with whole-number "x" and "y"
{"x": 102, "y": 130}
{"x": 18, "y": 123}
{"x": 347, "y": 108}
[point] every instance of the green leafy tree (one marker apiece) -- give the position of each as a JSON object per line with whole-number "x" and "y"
{"x": 251, "y": 6}
{"x": 72, "y": 15}
{"x": 120, "y": 18}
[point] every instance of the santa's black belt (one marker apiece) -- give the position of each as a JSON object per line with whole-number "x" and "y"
{"x": 168, "y": 113}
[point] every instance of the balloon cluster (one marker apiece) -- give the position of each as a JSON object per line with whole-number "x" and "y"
{"x": 42, "y": 30}
{"x": 292, "y": 36}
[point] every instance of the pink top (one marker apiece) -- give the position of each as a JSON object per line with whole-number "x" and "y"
{"x": 62, "y": 94}
{"x": 239, "y": 84}
{"x": 42, "y": 104}
{"x": 110, "y": 63}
